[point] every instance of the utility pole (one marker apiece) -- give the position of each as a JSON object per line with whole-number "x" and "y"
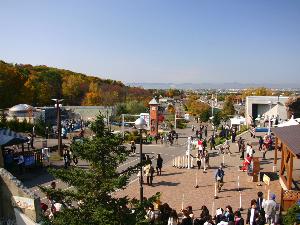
{"x": 59, "y": 140}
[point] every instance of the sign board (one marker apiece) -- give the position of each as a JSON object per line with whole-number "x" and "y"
{"x": 22, "y": 202}
{"x": 146, "y": 117}
{"x": 266, "y": 179}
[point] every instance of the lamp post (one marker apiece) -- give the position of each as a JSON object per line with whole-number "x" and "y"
{"x": 57, "y": 101}
{"x": 140, "y": 124}
{"x": 269, "y": 129}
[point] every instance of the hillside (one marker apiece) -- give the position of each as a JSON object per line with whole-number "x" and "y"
{"x": 37, "y": 85}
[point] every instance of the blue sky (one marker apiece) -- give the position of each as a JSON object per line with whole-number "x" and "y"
{"x": 157, "y": 40}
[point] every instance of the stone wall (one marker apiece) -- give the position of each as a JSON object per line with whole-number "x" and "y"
{"x": 10, "y": 186}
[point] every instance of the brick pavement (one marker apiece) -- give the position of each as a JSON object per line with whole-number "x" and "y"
{"x": 174, "y": 183}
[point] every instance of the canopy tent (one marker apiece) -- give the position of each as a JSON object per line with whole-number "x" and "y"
{"x": 290, "y": 122}
{"x": 9, "y": 137}
{"x": 237, "y": 120}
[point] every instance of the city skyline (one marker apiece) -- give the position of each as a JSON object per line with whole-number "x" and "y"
{"x": 163, "y": 42}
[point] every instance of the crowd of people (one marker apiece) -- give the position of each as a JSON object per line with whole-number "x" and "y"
{"x": 260, "y": 212}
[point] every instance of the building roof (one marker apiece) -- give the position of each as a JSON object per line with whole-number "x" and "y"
{"x": 9, "y": 137}
{"x": 21, "y": 108}
{"x": 153, "y": 102}
{"x": 290, "y": 136}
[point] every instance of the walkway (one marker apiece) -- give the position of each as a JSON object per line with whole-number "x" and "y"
{"x": 177, "y": 185}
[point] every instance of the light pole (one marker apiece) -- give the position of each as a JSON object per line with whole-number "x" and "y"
{"x": 269, "y": 129}
{"x": 57, "y": 101}
{"x": 141, "y": 124}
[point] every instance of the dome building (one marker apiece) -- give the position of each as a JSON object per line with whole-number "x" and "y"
{"x": 22, "y": 112}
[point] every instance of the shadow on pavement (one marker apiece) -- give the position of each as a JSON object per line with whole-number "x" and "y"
{"x": 170, "y": 174}
{"x": 33, "y": 179}
{"x": 234, "y": 189}
{"x": 165, "y": 183}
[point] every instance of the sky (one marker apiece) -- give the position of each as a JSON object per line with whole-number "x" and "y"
{"x": 191, "y": 41}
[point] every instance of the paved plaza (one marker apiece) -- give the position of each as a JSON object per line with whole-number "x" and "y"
{"x": 177, "y": 186}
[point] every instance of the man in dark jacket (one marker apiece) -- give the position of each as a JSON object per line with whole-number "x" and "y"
{"x": 219, "y": 176}
{"x": 252, "y": 214}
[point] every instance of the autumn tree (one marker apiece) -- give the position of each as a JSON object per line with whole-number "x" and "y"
{"x": 11, "y": 85}
{"x": 74, "y": 88}
{"x": 228, "y": 108}
{"x": 260, "y": 91}
{"x": 94, "y": 95}
{"x": 43, "y": 86}
{"x": 171, "y": 109}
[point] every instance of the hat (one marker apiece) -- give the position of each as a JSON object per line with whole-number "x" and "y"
{"x": 272, "y": 196}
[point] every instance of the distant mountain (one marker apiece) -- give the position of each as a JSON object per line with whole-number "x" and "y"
{"x": 194, "y": 86}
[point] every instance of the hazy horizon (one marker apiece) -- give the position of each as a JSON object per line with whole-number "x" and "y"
{"x": 158, "y": 41}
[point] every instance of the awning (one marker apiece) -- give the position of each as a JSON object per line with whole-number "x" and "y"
{"x": 9, "y": 137}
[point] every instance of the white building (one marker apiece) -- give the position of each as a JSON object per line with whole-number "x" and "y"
{"x": 265, "y": 107}
{"x": 23, "y": 112}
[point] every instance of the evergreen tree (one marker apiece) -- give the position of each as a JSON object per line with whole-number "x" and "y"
{"x": 93, "y": 188}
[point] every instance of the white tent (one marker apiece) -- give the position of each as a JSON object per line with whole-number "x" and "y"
{"x": 237, "y": 121}
{"x": 290, "y": 122}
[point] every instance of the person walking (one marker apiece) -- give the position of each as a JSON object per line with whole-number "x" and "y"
{"x": 205, "y": 131}
{"x": 233, "y": 135}
{"x": 219, "y": 177}
{"x": 249, "y": 150}
{"x": 269, "y": 207}
{"x": 173, "y": 218}
{"x": 200, "y": 134}
{"x": 75, "y": 159}
{"x": 150, "y": 214}
{"x": 186, "y": 219}
{"x": 198, "y": 161}
{"x": 260, "y": 142}
{"x": 229, "y": 216}
{"x": 202, "y": 154}
{"x": 238, "y": 220}
{"x": 159, "y": 163}
{"x": 240, "y": 142}
{"x": 67, "y": 159}
{"x": 176, "y": 138}
{"x": 147, "y": 172}
{"x": 259, "y": 201}
{"x": 193, "y": 128}
{"x": 243, "y": 150}
{"x": 212, "y": 142}
{"x": 133, "y": 147}
{"x": 204, "y": 143}
{"x": 206, "y": 156}
{"x": 152, "y": 171}
{"x": 227, "y": 147}
{"x": 252, "y": 214}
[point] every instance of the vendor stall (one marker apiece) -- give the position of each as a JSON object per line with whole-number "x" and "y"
{"x": 287, "y": 142}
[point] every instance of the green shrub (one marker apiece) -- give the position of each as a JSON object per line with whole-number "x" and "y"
{"x": 292, "y": 216}
{"x": 181, "y": 124}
